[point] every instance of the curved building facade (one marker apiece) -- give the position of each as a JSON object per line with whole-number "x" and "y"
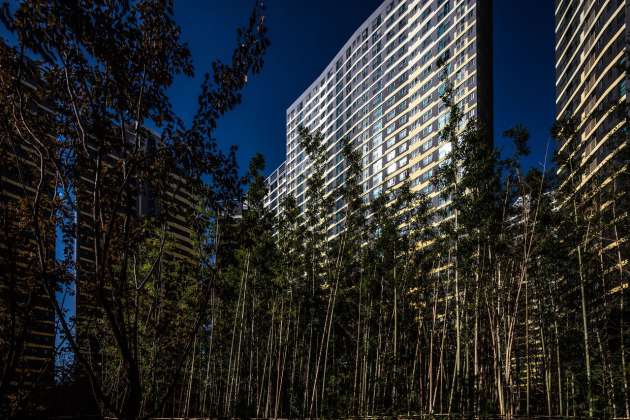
{"x": 382, "y": 93}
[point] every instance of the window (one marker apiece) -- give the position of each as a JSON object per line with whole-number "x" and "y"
{"x": 442, "y": 121}
{"x": 441, "y": 89}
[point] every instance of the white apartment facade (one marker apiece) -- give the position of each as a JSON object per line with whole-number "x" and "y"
{"x": 382, "y": 93}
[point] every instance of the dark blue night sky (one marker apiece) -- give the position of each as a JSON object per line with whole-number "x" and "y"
{"x": 307, "y": 34}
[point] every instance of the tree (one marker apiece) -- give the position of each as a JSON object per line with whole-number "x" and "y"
{"x": 101, "y": 158}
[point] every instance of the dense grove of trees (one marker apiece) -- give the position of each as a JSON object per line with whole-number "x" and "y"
{"x": 509, "y": 298}
{"x": 514, "y": 304}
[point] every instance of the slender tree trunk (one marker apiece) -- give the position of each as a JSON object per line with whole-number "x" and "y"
{"x": 355, "y": 405}
{"x": 622, "y": 293}
{"x": 587, "y": 355}
{"x": 527, "y": 359}
{"x": 190, "y": 380}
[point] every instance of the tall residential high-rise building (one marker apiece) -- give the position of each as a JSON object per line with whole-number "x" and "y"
{"x": 591, "y": 88}
{"x": 591, "y": 93}
{"x": 591, "y": 44}
{"x": 382, "y": 93}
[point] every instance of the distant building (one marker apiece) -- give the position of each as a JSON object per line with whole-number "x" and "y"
{"x": 27, "y": 321}
{"x": 175, "y": 207}
{"x": 382, "y": 93}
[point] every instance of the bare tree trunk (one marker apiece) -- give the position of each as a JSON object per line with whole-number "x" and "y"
{"x": 321, "y": 352}
{"x": 587, "y": 356}
{"x": 527, "y": 360}
{"x": 609, "y": 384}
{"x": 622, "y": 292}
{"x": 355, "y": 406}
{"x": 232, "y": 367}
{"x": 456, "y": 366}
{"x": 209, "y": 355}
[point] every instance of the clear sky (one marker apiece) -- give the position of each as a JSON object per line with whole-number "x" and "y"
{"x": 305, "y": 36}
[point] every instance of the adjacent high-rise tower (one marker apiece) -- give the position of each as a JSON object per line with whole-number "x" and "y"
{"x": 591, "y": 91}
{"x": 591, "y": 39}
{"x": 382, "y": 93}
